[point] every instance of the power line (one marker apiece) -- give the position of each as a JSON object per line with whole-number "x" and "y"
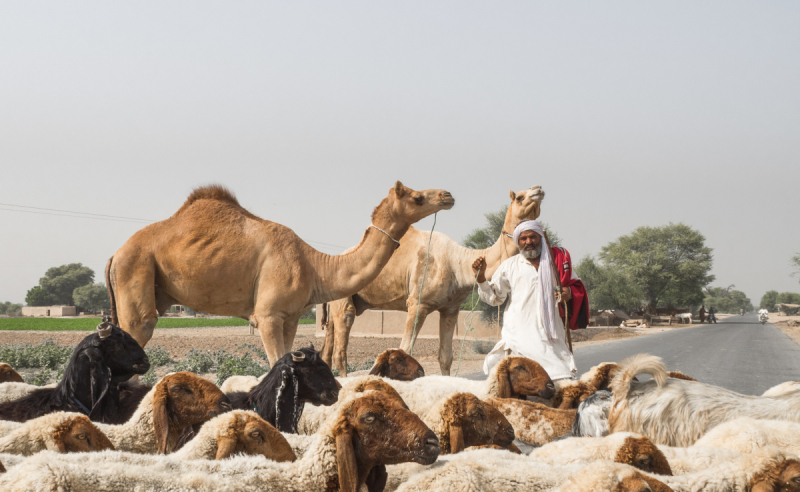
{"x": 73, "y": 212}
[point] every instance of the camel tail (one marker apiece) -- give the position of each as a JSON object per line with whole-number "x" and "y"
{"x": 638, "y": 364}
{"x": 111, "y": 297}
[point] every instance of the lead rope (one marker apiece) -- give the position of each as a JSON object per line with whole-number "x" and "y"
{"x": 468, "y": 328}
{"x": 419, "y": 299}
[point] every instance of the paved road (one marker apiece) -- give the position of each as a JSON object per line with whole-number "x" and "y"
{"x": 738, "y": 353}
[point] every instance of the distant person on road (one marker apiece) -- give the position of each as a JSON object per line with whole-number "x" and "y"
{"x": 702, "y": 313}
{"x": 532, "y": 325}
{"x": 712, "y": 315}
{"x": 763, "y": 312}
{"x": 741, "y": 312}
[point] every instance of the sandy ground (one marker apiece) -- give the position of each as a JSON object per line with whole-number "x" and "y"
{"x": 784, "y": 323}
{"x": 178, "y": 341}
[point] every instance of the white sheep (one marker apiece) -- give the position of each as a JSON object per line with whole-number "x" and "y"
{"x": 695, "y": 458}
{"x": 607, "y": 475}
{"x": 782, "y": 389}
{"x": 677, "y": 412}
{"x": 349, "y": 451}
{"x": 15, "y": 391}
{"x": 534, "y": 423}
{"x": 235, "y": 384}
{"x": 530, "y": 378}
{"x": 746, "y": 435}
{"x": 766, "y": 469}
{"x": 64, "y": 432}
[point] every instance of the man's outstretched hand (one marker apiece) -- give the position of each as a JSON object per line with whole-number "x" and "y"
{"x": 479, "y": 268}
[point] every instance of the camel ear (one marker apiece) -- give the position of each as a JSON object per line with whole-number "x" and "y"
{"x": 512, "y": 195}
{"x": 226, "y": 446}
{"x": 376, "y": 479}
{"x": 161, "y": 417}
{"x": 503, "y": 381}
{"x": 399, "y": 189}
{"x": 456, "y": 438}
{"x": 346, "y": 462}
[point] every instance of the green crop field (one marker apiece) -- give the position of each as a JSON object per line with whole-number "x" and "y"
{"x": 87, "y": 324}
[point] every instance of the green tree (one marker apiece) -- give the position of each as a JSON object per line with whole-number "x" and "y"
{"x": 10, "y": 308}
{"x": 93, "y": 297}
{"x": 769, "y": 299}
{"x": 58, "y": 284}
{"x": 727, "y": 300}
{"x": 662, "y": 265}
{"x": 606, "y": 287}
{"x": 788, "y": 298}
{"x": 487, "y": 235}
{"x": 37, "y": 296}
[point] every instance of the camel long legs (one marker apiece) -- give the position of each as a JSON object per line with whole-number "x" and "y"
{"x": 271, "y": 330}
{"x": 343, "y": 320}
{"x": 447, "y": 326}
{"x": 135, "y": 292}
{"x": 405, "y": 344}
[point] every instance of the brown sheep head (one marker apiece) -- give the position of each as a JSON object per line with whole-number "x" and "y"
{"x": 519, "y": 377}
{"x": 397, "y": 364}
{"x": 182, "y": 400}
{"x": 78, "y": 434}
{"x": 468, "y": 421}
{"x": 637, "y": 482}
{"x": 373, "y": 431}
{"x": 780, "y": 476}
{"x": 641, "y": 453}
{"x": 603, "y": 374}
{"x": 381, "y": 386}
{"x": 9, "y": 375}
{"x": 250, "y": 434}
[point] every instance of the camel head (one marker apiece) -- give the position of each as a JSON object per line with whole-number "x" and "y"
{"x": 525, "y": 205}
{"x": 409, "y": 206}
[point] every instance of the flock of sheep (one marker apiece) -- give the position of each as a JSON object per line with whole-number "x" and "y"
{"x": 394, "y": 429}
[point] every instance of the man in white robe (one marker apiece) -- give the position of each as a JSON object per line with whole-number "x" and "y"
{"x": 532, "y": 327}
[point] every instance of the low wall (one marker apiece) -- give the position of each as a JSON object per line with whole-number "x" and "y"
{"x": 51, "y": 311}
{"x": 393, "y": 323}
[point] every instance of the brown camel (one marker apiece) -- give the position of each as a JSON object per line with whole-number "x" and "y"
{"x": 213, "y": 255}
{"x": 448, "y": 283}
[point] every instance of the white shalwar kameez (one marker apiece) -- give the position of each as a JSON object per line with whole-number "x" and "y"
{"x": 523, "y": 332}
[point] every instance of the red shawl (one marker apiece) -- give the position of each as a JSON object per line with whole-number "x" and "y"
{"x": 579, "y": 304}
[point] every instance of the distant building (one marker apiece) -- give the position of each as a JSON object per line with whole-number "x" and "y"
{"x": 50, "y": 311}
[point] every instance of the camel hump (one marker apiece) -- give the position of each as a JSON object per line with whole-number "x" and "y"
{"x": 211, "y": 192}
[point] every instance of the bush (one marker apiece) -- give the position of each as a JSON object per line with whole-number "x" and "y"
{"x": 197, "y": 361}
{"x": 47, "y": 354}
{"x": 234, "y": 365}
{"x": 255, "y": 349}
{"x": 158, "y": 357}
{"x": 482, "y": 346}
{"x": 39, "y": 378}
{"x": 356, "y": 367}
{"x": 149, "y": 378}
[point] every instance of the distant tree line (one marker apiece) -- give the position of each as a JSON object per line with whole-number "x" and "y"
{"x": 10, "y": 308}
{"x": 772, "y": 297}
{"x": 70, "y": 285}
{"x": 727, "y": 300}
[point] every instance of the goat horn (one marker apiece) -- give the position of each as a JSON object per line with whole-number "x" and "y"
{"x": 298, "y": 356}
{"x": 104, "y": 329}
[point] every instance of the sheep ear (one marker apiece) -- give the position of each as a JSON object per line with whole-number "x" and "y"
{"x": 56, "y": 445}
{"x": 503, "y": 382}
{"x": 456, "y": 438}
{"x": 762, "y": 486}
{"x": 513, "y": 448}
{"x": 346, "y": 462}
{"x": 226, "y": 446}
{"x": 376, "y": 479}
{"x": 379, "y": 369}
{"x": 161, "y": 417}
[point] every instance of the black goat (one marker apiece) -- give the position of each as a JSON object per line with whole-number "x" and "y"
{"x": 297, "y": 378}
{"x": 91, "y": 380}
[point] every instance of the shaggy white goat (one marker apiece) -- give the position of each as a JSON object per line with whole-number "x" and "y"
{"x": 677, "y": 412}
{"x": 782, "y": 389}
{"x": 385, "y": 432}
{"x": 746, "y": 435}
{"x": 58, "y": 431}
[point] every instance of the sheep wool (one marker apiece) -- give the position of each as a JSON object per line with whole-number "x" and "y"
{"x": 696, "y": 458}
{"x": 15, "y": 391}
{"x": 137, "y": 435}
{"x": 747, "y": 435}
{"x": 35, "y": 435}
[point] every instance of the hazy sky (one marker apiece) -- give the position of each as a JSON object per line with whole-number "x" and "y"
{"x": 627, "y": 113}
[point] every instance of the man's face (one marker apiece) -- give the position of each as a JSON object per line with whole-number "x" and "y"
{"x": 530, "y": 244}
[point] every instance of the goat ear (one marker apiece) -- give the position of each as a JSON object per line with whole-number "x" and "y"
{"x": 503, "y": 381}
{"x": 226, "y": 446}
{"x": 161, "y": 417}
{"x": 456, "y": 438}
{"x": 376, "y": 479}
{"x": 285, "y": 403}
{"x": 346, "y": 462}
{"x": 100, "y": 378}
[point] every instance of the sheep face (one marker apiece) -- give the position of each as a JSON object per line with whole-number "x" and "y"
{"x": 316, "y": 382}
{"x": 397, "y": 364}
{"x": 118, "y": 351}
{"x": 471, "y": 422}
{"x": 641, "y": 453}
{"x": 782, "y": 476}
{"x": 78, "y": 434}
{"x": 9, "y": 375}
{"x": 520, "y": 376}
{"x": 383, "y": 432}
{"x": 252, "y": 435}
{"x": 182, "y": 400}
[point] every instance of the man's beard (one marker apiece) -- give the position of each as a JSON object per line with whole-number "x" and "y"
{"x": 532, "y": 253}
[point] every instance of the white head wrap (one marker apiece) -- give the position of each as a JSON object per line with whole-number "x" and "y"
{"x": 546, "y": 277}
